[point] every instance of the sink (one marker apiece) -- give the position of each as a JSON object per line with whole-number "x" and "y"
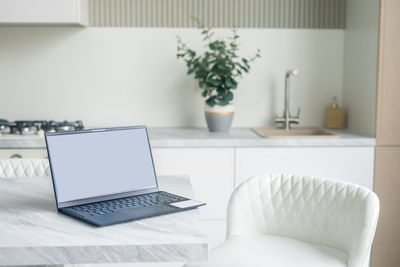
{"x": 300, "y": 132}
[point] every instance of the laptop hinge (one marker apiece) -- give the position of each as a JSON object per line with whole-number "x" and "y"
{"x": 104, "y": 198}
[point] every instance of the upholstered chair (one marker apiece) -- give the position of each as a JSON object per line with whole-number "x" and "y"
{"x": 297, "y": 221}
{"x": 24, "y": 168}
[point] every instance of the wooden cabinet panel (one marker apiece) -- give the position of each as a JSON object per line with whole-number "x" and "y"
{"x": 386, "y": 247}
{"x": 210, "y": 170}
{"x": 351, "y": 164}
{"x": 388, "y": 107}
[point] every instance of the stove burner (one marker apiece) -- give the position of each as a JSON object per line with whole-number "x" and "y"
{"x": 4, "y": 126}
{"x": 65, "y": 126}
{"x": 33, "y": 127}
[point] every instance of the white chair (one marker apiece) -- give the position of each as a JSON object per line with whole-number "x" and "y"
{"x": 295, "y": 221}
{"x": 24, "y": 168}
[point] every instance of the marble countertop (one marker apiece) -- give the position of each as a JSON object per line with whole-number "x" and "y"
{"x": 32, "y": 232}
{"x": 244, "y": 137}
{"x": 201, "y": 137}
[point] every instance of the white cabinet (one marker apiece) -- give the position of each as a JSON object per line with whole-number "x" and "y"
{"x": 210, "y": 170}
{"x": 44, "y": 12}
{"x": 351, "y": 164}
{"x": 214, "y": 172}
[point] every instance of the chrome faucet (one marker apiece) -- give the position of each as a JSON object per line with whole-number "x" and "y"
{"x": 287, "y": 120}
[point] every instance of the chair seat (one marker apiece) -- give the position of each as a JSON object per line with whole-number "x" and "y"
{"x": 272, "y": 251}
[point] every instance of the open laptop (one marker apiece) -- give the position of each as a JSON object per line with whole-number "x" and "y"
{"x": 107, "y": 176}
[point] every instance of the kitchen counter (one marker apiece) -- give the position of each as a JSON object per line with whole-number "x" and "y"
{"x": 34, "y": 233}
{"x": 201, "y": 137}
{"x": 244, "y": 137}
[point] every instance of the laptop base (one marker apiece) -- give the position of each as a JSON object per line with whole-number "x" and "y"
{"x": 133, "y": 213}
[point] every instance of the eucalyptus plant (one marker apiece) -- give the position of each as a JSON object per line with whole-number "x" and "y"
{"x": 218, "y": 68}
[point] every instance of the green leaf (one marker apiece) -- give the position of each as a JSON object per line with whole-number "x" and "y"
{"x": 203, "y": 85}
{"x": 221, "y": 91}
{"x": 244, "y": 68}
{"x": 213, "y": 46}
{"x": 214, "y": 82}
{"x": 229, "y": 96}
{"x": 223, "y": 103}
{"x": 191, "y": 53}
{"x": 231, "y": 83}
{"x": 211, "y": 102}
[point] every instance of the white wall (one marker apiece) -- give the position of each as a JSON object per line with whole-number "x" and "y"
{"x": 122, "y": 76}
{"x": 360, "y": 65}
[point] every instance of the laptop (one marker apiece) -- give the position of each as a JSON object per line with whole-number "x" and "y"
{"x": 107, "y": 176}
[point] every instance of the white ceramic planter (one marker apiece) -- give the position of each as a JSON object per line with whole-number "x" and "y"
{"x": 219, "y": 118}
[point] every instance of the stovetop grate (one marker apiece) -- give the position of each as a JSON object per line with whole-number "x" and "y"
{"x": 28, "y": 127}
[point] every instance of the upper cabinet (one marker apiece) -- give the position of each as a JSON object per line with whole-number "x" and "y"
{"x": 67, "y": 12}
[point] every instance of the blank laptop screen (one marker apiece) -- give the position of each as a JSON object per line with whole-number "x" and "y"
{"x": 99, "y": 163}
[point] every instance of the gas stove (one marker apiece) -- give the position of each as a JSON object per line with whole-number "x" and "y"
{"x": 37, "y": 127}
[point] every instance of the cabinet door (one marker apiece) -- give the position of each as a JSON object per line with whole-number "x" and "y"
{"x": 43, "y": 11}
{"x": 385, "y": 251}
{"x": 351, "y": 164}
{"x": 210, "y": 171}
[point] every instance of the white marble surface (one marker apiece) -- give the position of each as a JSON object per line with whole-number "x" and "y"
{"x": 22, "y": 141}
{"x": 201, "y": 137}
{"x": 244, "y": 137}
{"x": 32, "y": 232}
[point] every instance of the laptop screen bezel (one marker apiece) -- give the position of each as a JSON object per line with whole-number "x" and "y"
{"x": 65, "y": 204}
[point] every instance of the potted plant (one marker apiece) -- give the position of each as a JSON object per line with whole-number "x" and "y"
{"x": 217, "y": 70}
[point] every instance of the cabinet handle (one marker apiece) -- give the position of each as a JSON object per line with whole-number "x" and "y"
{"x": 16, "y": 156}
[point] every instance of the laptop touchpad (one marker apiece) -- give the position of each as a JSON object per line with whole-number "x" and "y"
{"x": 143, "y": 212}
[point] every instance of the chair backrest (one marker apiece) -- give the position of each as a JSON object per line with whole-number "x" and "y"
{"x": 24, "y": 168}
{"x": 319, "y": 211}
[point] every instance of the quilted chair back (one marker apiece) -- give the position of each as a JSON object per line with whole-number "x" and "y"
{"x": 24, "y": 168}
{"x": 318, "y": 211}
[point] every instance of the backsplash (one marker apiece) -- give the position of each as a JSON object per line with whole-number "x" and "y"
{"x": 123, "y": 76}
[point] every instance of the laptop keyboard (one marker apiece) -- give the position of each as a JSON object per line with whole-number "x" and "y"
{"x": 115, "y": 205}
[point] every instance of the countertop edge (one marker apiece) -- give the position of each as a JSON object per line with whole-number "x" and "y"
{"x": 201, "y": 138}
{"x": 104, "y": 254}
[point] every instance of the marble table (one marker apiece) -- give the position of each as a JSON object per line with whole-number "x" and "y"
{"x": 32, "y": 232}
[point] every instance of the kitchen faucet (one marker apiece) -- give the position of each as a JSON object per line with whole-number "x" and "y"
{"x": 286, "y": 120}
